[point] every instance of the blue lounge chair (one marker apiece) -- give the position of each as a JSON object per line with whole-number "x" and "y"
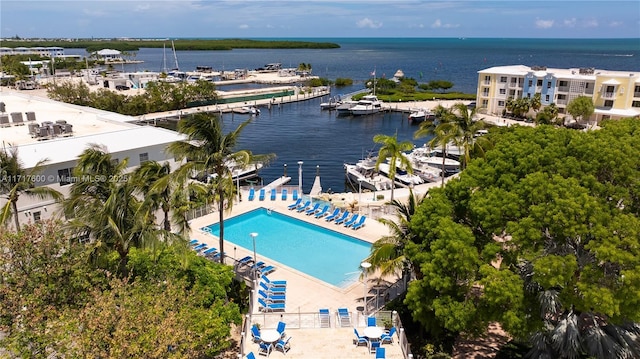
{"x": 295, "y": 194}
{"x": 210, "y": 251}
{"x": 344, "y": 317}
{"x": 250, "y": 356}
{"x": 371, "y": 321}
{"x": 274, "y": 290}
{"x": 360, "y": 223}
{"x": 283, "y": 345}
{"x": 248, "y": 260}
{"x": 270, "y": 307}
{"x": 274, "y": 283}
{"x": 332, "y": 216}
{"x": 323, "y": 211}
{"x": 267, "y": 270}
{"x": 200, "y": 247}
{"x": 273, "y": 194}
{"x": 272, "y": 298}
{"x": 325, "y": 318}
{"x": 374, "y": 346}
{"x": 388, "y": 337}
{"x": 351, "y": 220}
{"x": 193, "y": 242}
{"x": 252, "y": 194}
{"x": 342, "y": 218}
{"x": 313, "y": 209}
{"x": 295, "y": 204}
{"x": 380, "y": 353}
{"x": 255, "y": 333}
{"x": 304, "y": 207}
{"x": 359, "y": 339}
{"x": 261, "y": 195}
{"x": 284, "y": 194}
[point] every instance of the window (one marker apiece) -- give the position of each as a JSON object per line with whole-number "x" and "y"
{"x": 539, "y": 83}
{"x": 608, "y": 103}
{"x": 549, "y": 84}
{"x": 500, "y": 103}
{"x": 487, "y": 78}
{"x": 37, "y": 216}
{"x": 546, "y": 98}
{"x": 485, "y": 103}
{"x": 636, "y": 89}
{"x": 64, "y": 176}
{"x": 485, "y": 92}
{"x": 563, "y": 84}
{"x": 530, "y": 83}
{"x": 635, "y": 104}
{"x": 144, "y": 157}
{"x": 503, "y": 79}
{"x": 503, "y": 91}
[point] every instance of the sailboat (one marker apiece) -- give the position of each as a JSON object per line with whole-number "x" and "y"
{"x": 173, "y": 75}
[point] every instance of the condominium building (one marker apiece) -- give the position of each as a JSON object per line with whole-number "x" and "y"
{"x": 615, "y": 94}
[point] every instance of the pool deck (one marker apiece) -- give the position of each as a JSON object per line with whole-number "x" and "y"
{"x": 306, "y": 294}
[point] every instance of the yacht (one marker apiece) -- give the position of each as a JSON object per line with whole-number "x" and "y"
{"x": 363, "y": 175}
{"x": 427, "y": 156}
{"x": 421, "y": 115}
{"x": 367, "y": 105}
{"x": 402, "y": 177}
{"x": 344, "y": 108}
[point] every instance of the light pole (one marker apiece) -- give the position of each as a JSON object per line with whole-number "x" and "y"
{"x": 285, "y": 170}
{"x": 365, "y": 266}
{"x": 255, "y": 259}
{"x": 360, "y": 190}
{"x": 300, "y": 177}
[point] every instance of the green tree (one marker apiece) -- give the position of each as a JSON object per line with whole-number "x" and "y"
{"x": 394, "y": 150}
{"x": 16, "y": 180}
{"x": 211, "y": 152}
{"x": 581, "y": 108}
{"x": 103, "y": 206}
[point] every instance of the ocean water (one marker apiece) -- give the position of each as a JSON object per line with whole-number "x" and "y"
{"x": 301, "y": 132}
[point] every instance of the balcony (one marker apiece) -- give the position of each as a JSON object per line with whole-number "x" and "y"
{"x": 561, "y": 102}
{"x": 608, "y": 95}
{"x": 563, "y": 88}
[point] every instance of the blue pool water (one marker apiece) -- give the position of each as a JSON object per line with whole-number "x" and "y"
{"x": 324, "y": 254}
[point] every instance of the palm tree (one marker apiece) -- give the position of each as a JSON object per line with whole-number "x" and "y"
{"x": 15, "y": 180}
{"x": 443, "y": 135}
{"x": 103, "y": 206}
{"x": 388, "y": 253}
{"x": 166, "y": 191}
{"x": 393, "y": 150}
{"x": 209, "y": 151}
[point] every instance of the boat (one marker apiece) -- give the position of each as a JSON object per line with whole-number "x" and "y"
{"x": 363, "y": 175}
{"x": 254, "y": 111}
{"x": 242, "y": 173}
{"x": 402, "y": 177}
{"x": 425, "y": 155}
{"x": 344, "y": 108}
{"x": 367, "y": 105}
{"x": 332, "y": 104}
{"x": 421, "y": 115}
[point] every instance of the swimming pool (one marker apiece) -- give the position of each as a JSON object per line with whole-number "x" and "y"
{"x": 328, "y": 255}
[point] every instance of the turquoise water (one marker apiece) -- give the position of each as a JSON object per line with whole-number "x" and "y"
{"x": 321, "y": 253}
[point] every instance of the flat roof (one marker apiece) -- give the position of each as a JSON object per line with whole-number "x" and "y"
{"x": 90, "y": 126}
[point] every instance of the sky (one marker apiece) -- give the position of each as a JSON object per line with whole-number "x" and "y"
{"x": 319, "y": 19}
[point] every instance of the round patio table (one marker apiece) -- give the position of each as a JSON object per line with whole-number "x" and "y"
{"x": 270, "y": 336}
{"x": 373, "y": 333}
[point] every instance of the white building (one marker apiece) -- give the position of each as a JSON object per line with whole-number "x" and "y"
{"x": 615, "y": 94}
{"x": 122, "y": 138}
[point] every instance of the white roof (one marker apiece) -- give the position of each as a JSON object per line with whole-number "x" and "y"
{"x": 611, "y": 82}
{"x": 68, "y": 149}
{"x": 106, "y": 52}
{"x": 618, "y": 112}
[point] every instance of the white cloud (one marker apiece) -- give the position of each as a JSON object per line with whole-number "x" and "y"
{"x": 142, "y": 8}
{"x": 544, "y": 24}
{"x": 570, "y": 22}
{"x": 591, "y": 23}
{"x": 366, "y": 22}
{"x": 438, "y": 24}
{"x": 243, "y": 26}
{"x": 616, "y": 23}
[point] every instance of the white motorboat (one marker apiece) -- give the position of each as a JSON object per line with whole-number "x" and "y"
{"x": 344, "y": 108}
{"x": 243, "y": 173}
{"x": 331, "y": 105}
{"x": 254, "y": 111}
{"x": 365, "y": 175}
{"x": 367, "y": 105}
{"x": 421, "y": 115}
{"x": 402, "y": 177}
{"x": 427, "y": 156}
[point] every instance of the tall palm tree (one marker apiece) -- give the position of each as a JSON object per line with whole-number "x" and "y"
{"x": 167, "y": 191}
{"x": 208, "y": 150}
{"x": 15, "y": 180}
{"x": 443, "y": 135}
{"x": 104, "y": 207}
{"x": 393, "y": 150}
{"x": 388, "y": 253}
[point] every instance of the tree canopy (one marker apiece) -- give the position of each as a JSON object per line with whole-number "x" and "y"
{"x": 540, "y": 235}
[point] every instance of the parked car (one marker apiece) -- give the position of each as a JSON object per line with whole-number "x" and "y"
{"x": 122, "y": 87}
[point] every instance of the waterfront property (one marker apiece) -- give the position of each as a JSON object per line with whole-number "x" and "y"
{"x": 615, "y": 94}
